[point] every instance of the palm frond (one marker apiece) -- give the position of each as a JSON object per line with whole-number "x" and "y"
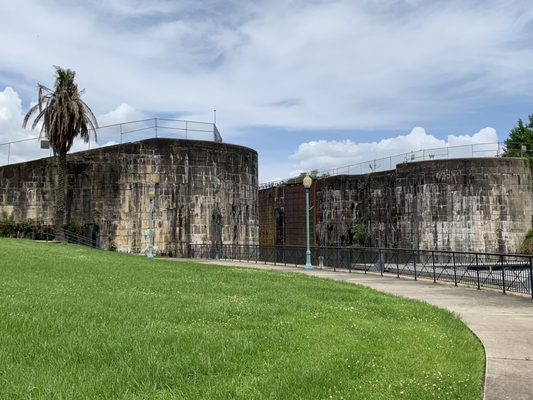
{"x": 28, "y": 115}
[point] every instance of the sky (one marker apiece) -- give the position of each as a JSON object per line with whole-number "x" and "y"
{"x": 307, "y": 84}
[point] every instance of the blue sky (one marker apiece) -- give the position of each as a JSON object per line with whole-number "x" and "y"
{"x": 308, "y": 84}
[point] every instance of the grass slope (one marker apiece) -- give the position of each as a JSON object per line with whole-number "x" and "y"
{"x": 83, "y": 324}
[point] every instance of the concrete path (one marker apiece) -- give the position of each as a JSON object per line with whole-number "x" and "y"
{"x": 503, "y": 323}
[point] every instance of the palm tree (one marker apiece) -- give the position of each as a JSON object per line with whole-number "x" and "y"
{"x": 64, "y": 116}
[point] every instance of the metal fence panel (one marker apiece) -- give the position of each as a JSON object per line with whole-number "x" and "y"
{"x": 505, "y": 272}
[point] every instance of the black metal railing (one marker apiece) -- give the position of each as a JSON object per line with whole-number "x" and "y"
{"x": 505, "y": 272}
{"x": 73, "y": 237}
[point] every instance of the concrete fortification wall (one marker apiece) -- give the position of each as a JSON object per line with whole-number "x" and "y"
{"x": 477, "y": 204}
{"x": 205, "y": 192}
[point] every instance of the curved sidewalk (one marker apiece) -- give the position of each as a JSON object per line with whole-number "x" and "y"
{"x": 503, "y": 323}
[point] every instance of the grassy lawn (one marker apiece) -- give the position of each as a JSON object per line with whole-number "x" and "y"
{"x": 81, "y": 324}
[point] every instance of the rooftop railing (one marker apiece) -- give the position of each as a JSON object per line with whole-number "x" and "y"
{"x": 35, "y": 147}
{"x": 390, "y": 162}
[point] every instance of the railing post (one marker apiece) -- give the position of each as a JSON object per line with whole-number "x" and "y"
{"x": 503, "y": 273}
{"x": 349, "y": 259}
{"x": 155, "y": 127}
{"x": 380, "y": 255}
{"x": 120, "y": 128}
{"x": 531, "y": 276}
{"x": 8, "y": 152}
{"x": 414, "y": 261}
{"x": 398, "y": 265}
{"x": 433, "y": 261}
{"x": 477, "y": 273}
{"x": 454, "y": 270}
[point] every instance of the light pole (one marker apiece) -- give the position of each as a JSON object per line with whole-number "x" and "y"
{"x": 151, "y": 195}
{"x": 307, "y": 185}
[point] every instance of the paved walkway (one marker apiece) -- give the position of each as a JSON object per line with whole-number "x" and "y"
{"x": 503, "y": 323}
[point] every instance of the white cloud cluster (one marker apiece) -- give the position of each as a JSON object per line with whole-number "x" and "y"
{"x": 11, "y": 118}
{"x": 123, "y": 113}
{"x": 324, "y": 154}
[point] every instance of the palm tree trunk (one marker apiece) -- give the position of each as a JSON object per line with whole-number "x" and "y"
{"x": 60, "y": 195}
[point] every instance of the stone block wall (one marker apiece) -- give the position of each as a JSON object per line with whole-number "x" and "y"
{"x": 205, "y": 192}
{"x": 477, "y": 204}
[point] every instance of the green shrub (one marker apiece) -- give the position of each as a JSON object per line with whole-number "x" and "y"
{"x": 75, "y": 227}
{"x": 527, "y": 244}
{"x": 11, "y": 228}
{"x": 8, "y": 226}
{"x": 360, "y": 237}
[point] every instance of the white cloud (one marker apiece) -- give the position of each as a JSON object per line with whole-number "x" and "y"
{"x": 485, "y": 135}
{"x": 9, "y": 101}
{"x": 415, "y": 146}
{"x": 11, "y": 116}
{"x": 11, "y": 130}
{"x": 122, "y": 113}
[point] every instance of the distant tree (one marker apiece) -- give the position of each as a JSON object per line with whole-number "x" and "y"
{"x": 521, "y": 134}
{"x": 64, "y": 116}
{"x": 299, "y": 179}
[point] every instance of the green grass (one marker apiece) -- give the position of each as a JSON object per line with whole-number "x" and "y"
{"x": 82, "y": 324}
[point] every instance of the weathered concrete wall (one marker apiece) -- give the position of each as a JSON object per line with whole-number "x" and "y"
{"x": 205, "y": 193}
{"x": 469, "y": 204}
{"x": 480, "y": 204}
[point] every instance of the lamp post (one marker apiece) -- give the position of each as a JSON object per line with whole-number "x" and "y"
{"x": 307, "y": 185}
{"x": 151, "y": 195}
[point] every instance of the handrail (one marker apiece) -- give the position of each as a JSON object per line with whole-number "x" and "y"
{"x": 118, "y": 133}
{"x": 73, "y": 237}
